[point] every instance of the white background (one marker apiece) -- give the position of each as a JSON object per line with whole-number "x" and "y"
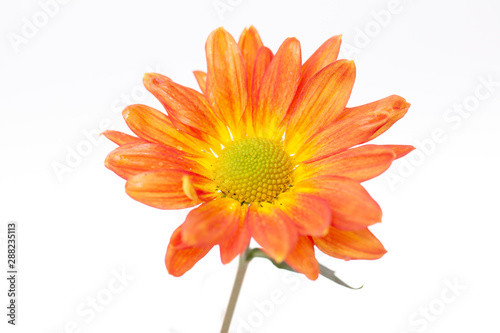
{"x": 78, "y": 229}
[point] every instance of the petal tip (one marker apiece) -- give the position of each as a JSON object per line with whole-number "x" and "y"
{"x": 149, "y": 79}
{"x": 126, "y": 113}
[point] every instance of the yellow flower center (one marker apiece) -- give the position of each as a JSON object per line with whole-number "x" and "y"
{"x": 253, "y": 169}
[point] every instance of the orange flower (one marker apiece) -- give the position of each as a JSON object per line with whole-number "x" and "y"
{"x": 266, "y": 151}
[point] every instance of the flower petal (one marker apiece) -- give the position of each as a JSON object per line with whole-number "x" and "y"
{"x": 322, "y": 100}
{"x": 338, "y": 137}
{"x": 163, "y": 189}
{"x": 263, "y": 59}
{"x": 211, "y": 223}
{"x": 347, "y": 245}
{"x": 187, "y": 108}
{"x": 360, "y": 163}
{"x": 351, "y": 205}
{"x": 135, "y": 158}
{"x": 395, "y": 106}
{"x": 226, "y": 77}
{"x": 238, "y": 241}
{"x": 400, "y": 150}
{"x": 249, "y": 44}
{"x": 189, "y": 189}
{"x": 154, "y": 126}
{"x": 323, "y": 56}
{"x": 277, "y": 89}
{"x": 302, "y": 258}
{"x": 201, "y": 79}
{"x": 311, "y": 214}
{"x": 272, "y": 229}
{"x": 180, "y": 258}
{"x": 121, "y": 138}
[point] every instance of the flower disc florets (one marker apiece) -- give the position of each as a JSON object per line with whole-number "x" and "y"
{"x": 253, "y": 169}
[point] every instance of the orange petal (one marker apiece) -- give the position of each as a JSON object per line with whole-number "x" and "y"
{"x": 262, "y": 61}
{"x": 311, "y": 214}
{"x": 238, "y": 241}
{"x": 201, "y": 78}
{"x": 399, "y": 150}
{"x": 180, "y": 258}
{"x": 351, "y": 205}
{"x": 226, "y": 77}
{"x": 361, "y": 163}
{"x": 324, "y": 55}
{"x": 163, "y": 189}
{"x": 395, "y": 106}
{"x": 211, "y": 223}
{"x": 135, "y": 158}
{"x": 338, "y": 137}
{"x": 302, "y": 258}
{"x": 272, "y": 229}
{"x": 154, "y": 126}
{"x": 187, "y": 108}
{"x": 347, "y": 245}
{"x": 249, "y": 44}
{"x": 121, "y": 138}
{"x": 277, "y": 89}
{"x": 322, "y": 100}
{"x": 189, "y": 189}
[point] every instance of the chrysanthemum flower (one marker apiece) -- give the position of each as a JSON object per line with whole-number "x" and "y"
{"x": 268, "y": 150}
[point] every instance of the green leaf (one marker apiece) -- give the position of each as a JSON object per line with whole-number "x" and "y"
{"x": 324, "y": 271}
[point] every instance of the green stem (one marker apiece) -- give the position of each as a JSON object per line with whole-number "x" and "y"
{"x": 245, "y": 259}
{"x": 240, "y": 275}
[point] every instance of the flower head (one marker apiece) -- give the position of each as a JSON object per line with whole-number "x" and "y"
{"x": 268, "y": 150}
